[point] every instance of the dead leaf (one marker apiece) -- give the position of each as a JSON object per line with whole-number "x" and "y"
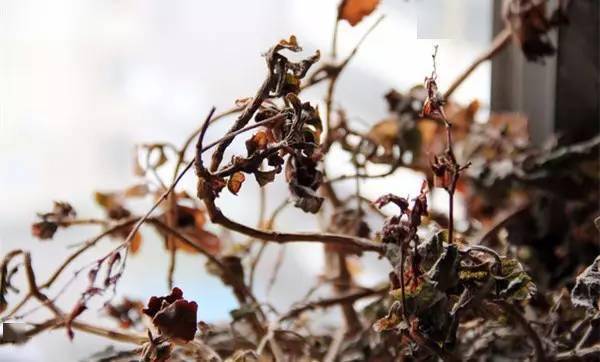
{"x": 136, "y": 242}
{"x": 586, "y": 292}
{"x": 235, "y": 182}
{"x": 173, "y": 315}
{"x": 385, "y": 134}
{"x": 354, "y": 11}
{"x": 140, "y": 190}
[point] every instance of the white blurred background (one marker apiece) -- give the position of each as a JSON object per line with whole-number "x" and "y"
{"x": 82, "y": 81}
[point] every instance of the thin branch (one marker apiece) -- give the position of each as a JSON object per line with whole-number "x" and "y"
{"x": 329, "y": 302}
{"x": 359, "y": 244}
{"x": 501, "y": 40}
{"x": 579, "y": 354}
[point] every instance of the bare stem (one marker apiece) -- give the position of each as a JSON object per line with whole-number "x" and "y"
{"x": 501, "y": 40}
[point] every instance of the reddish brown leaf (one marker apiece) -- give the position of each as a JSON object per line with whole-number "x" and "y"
{"x": 354, "y": 11}
{"x": 75, "y": 312}
{"x": 44, "y": 230}
{"x": 178, "y": 320}
{"x": 235, "y": 182}
{"x": 174, "y": 316}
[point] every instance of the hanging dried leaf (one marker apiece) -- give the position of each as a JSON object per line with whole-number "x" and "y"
{"x": 44, "y": 230}
{"x": 354, "y": 11}
{"x": 136, "y": 243}
{"x": 79, "y": 308}
{"x": 258, "y": 141}
{"x": 62, "y": 213}
{"x": 235, "y": 182}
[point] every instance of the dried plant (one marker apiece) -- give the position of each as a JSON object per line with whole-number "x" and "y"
{"x": 495, "y": 289}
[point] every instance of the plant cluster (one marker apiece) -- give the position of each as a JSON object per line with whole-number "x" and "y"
{"x": 517, "y": 281}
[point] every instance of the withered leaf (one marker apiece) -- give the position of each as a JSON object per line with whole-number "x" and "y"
{"x": 258, "y": 141}
{"x": 516, "y": 283}
{"x": 44, "y": 230}
{"x": 235, "y": 182}
{"x": 444, "y": 273}
{"x": 210, "y": 187}
{"x": 401, "y": 202}
{"x": 136, "y": 191}
{"x": 385, "y": 134}
{"x": 291, "y": 44}
{"x": 174, "y": 316}
{"x": 61, "y": 214}
{"x": 79, "y": 308}
{"x": 177, "y": 320}
{"x": 190, "y": 222}
{"x": 354, "y": 11}
{"x": 136, "y": 243}
{"x": 386, "y": 323}
{"x": 586, "y": 292}
{"x": 127, "y": 313}
{"x": 265, "y": 177}
{"x": 105, "y": 199}
{"x": 529, "y": 24}
{"x": 155, "y": 303}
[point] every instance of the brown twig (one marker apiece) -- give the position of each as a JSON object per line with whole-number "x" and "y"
{"x": 501, "y": 40}
{"x": 359, "y": 244}
{"x": 329, "y": 302}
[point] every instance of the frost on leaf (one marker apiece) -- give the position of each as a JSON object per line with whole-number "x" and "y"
{"x": 586, "y": 292}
